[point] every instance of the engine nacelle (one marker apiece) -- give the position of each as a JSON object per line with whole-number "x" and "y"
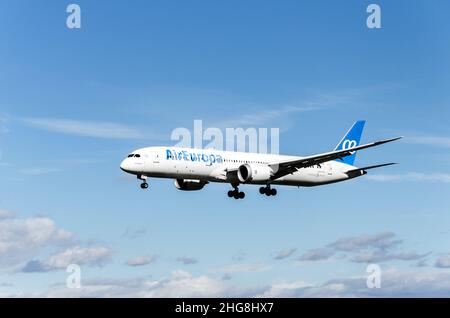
{"x": 189, "y": 185}
{"x": 250, "y": 172}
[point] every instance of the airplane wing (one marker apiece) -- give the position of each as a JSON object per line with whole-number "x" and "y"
{"x": 225, "y": 174}
{"x": 287, "y": 167}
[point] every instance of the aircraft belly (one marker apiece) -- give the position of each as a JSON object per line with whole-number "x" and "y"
{"x": 311, "y": 177}
{"x": 179, "y": 170}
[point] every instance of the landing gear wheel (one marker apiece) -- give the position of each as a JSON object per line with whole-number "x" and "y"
{"x": 238, "y": 195}
{"x": 235, "y": 193}
{"x": 268, "y": 191}
{"x": 144, "y": 185}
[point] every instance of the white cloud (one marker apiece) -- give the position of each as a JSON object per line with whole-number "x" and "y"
{"x": 23, "y": 238}
{"x": 382, "y": 256}
{"x": 141, "y": 260}
{"x": 284, "y": 289}
{"x": 443, "y": 261}
{"x": 179, "y": 284}
{"x": 98, "y": 255}
{"x": 434, "y": 283}
{"x": 374, "y": 248}
{"x": 380, "y": 240}
{"x": 422, "y": 263}
{"x": 183, "y": 284}
{"x": 262, "y": 117}
{"x": 186, "y": 260}
{"x": 4, "y": 214}
{"x": 437, "y": 141}
{"x": 85, "y": 128}
{"x": 411, "y": 176}
{"x": 132, "y": 233}
{"x": 239, "y": 256}
{"x": 243, "y": 268}
{"x": 38, "y": 171}
{"x": 317, "y": 254}
{"x": 393, "y": 284}
{"x": 284, "y": 254}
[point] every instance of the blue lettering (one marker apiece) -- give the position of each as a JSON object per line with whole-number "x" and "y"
{"x": 191, "y": 156}
{"x": 169, "y": 154}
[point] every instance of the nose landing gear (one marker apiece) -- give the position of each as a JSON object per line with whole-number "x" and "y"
{"x": 144, "y": 184}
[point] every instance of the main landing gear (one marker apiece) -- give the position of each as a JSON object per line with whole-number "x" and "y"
{"x": 236, "y": 193}
{"x": 144, "y": 184}
{"x": 267, "y": 190}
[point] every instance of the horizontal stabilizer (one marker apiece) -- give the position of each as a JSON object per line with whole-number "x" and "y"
{"x": 373, "y": 167}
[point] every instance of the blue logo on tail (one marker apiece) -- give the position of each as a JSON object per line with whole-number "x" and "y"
{"x": 351, "y": 140}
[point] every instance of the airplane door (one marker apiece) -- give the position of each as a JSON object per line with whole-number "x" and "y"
{"x": 156, "y": 157}
{"x": 153, "y": 157}
{"x": 329, "y": 169}
{"x": 321, "y": 172}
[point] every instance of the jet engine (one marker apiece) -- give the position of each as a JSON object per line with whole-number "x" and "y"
{"x": 189, "y": 185}
{"x": 251, "y": 172}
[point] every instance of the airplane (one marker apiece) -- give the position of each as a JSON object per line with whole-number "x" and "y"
{"x": 192, "y": 168}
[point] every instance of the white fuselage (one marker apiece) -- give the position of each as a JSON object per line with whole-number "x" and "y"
{"x": 217, "y": 166}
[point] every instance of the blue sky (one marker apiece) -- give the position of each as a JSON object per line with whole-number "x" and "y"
{"x": 73, "y": 103}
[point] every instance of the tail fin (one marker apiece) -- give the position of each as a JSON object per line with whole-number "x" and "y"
{"x": 350, "y": 140}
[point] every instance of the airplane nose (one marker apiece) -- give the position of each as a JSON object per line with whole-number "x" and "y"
{"x": 123, "y": 165}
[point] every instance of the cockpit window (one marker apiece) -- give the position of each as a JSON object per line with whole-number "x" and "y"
{"x": 134, "y": 155}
